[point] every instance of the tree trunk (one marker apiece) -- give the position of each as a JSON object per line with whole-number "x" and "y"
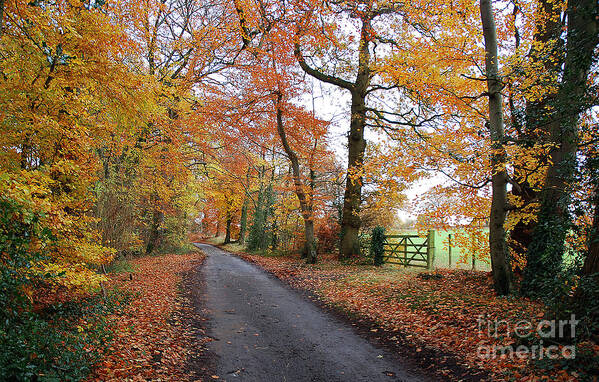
{"x": 274, "y": 238}
{"x": 154, "y": 235}
{"x": 591, "y": 262}
{"x": 312, "y": 251}
{"x": 537, "y": 113}
{"x": 228, "y": 229}
{"x": 257, "y": 228}
{"x": 350, "y": 221}
{"x": 497, "y": 237}
{"x": 243, "y": 222}
{"x": 309, "y": 251}
{"x": 265, "y": 235}
{"x": 546, "y": 250}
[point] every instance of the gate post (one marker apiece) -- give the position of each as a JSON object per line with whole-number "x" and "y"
{"x": 449, "y": 239}
{"x": 430, "y": 250}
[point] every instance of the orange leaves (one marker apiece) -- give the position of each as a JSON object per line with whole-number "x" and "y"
{"x": 153, "y": 336}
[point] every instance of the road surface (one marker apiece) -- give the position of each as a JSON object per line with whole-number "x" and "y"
{"x": 265, "y": 331}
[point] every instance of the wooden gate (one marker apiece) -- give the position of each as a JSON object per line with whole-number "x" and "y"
{"x": 410, "y": 250}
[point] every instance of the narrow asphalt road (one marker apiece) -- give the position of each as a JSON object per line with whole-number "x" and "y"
{"x": 264, "y": 331}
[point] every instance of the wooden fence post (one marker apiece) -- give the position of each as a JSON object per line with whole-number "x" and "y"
{"x": 430, "y": 262}
{"x": 449, "y": 244}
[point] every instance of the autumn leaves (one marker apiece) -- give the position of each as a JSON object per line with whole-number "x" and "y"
{"x": 122, "y": 121}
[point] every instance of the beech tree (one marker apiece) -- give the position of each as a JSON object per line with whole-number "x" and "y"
{"x": 273, "y": 58}
{"x": 365, "y": 13}
{"x": 497, "y": 235}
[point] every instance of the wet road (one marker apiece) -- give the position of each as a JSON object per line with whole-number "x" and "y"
{"x": 264, "y": 331}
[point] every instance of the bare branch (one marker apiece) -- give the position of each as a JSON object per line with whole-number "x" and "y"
{"x": 318, "y": 74}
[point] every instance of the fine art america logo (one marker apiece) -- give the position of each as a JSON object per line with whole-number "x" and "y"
{"x": 548, "y": 331}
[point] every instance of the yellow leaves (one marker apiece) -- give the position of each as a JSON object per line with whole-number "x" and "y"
{"x": 525, "y": 211}
{"x": 94, "y": 254}
{"x": 356, "y": 173}
{"x": 70, "y": 253}
{"x": 28, "y": 187}
{"x": 70, "y": 275}
{"x": 530, "y": 164}
{"x": 28, "y": 291}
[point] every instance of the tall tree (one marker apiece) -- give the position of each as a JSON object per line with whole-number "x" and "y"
{"x": 540, "y": 71}
{"x": 180, "y": 43}
{"x": 499, "y": 177}
{"x": 365, "y": 13}
{"x": 547, "y": 248}
{"x": 309, "y": 251}
{"x": 271, "y": 54}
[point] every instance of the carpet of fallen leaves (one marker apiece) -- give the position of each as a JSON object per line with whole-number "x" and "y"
{"x": 440, "y": 315}
{"x": 154, "y": 337}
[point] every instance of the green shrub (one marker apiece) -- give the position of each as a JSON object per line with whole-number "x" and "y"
{"x": 377, "y": 242}
{"x": 55, "y": 345}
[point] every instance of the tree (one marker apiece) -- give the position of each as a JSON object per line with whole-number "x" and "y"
{"x": 58, "y": 107}
{"x": 309, "y": 251}
{"x": 365, "y": 13}
{"x": 547, "y": 247}
{"x": 535, "y": 79}
{"x": 179, "y": 47}
{"x": 497, "y": 236}
{"x": 273, "y": 60}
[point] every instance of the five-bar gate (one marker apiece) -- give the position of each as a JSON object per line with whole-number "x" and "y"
{"x": 410, "y": 250}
